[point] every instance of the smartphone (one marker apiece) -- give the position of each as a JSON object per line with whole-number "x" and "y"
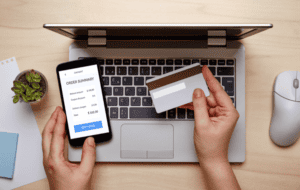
{"x": 83, "y": 101}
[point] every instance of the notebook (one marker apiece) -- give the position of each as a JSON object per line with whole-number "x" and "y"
{"x": 8, "y": 151}
{"x": 19, "y": 118}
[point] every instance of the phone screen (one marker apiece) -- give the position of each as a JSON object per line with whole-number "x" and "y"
{"x": 83, "y": 100}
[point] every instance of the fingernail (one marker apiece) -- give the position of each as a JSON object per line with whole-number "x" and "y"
{"x": 197, "y": 93}
{"x": 91, "y": 142}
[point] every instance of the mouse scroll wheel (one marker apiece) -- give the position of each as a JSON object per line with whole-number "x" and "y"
{"x": 296, "y": 83}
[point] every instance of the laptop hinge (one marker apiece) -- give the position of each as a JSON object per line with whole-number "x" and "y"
{"x": 216, "y": 38}
{"x": 97, "y": 37}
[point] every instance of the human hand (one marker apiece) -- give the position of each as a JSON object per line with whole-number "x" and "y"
{"x": 62, "y": 174}
{"x": 215, "y": 119}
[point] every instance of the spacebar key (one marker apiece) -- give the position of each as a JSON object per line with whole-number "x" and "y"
{"x": 145, "y": 113}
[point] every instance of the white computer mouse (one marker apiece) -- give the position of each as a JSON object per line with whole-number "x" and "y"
{"x": 285, "y": 123}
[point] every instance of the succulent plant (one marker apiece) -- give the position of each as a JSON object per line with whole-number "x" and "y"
{"x": 28, "y": 90}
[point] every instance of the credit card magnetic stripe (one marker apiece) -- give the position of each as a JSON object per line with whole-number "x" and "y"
{"x": 177, "y": 76}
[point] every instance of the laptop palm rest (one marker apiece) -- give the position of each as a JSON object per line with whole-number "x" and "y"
{"x": 142, "y": 141}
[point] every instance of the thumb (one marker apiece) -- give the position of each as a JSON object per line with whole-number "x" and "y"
{"x": 200, "y": 108}
{"x": 88, "y": 157}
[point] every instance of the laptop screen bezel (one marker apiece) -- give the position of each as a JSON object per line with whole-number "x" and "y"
{"x": 251, "y": 29}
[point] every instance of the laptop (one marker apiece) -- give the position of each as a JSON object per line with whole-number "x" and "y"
{"x": 130, "y": 54}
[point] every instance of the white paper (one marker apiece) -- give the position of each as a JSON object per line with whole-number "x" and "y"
{"x": 19, "y": 118}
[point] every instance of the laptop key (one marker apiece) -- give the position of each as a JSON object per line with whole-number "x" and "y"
{"x": 213, "y": 70}
{"x": 152, "y": 62}
{"x": 112, "y": 101}
{"x": 135, "y": 62}
{"x": 147, "y": 101}
{"x": 195, "y": 61}
{"x": 180, "y": 113}
{"x": 115, "y": 80}
{"x": 138, "y": 112}
{"x": 228, "y": 83}
{"x": 105, "y": 80}
{"x": 172, "y": 113}
{"x": 127, "y": 80}
{"x": 178, "y": 62}
{"x": 123, "y": 112}
{"x": 156, "y": 70}
{"x": 225, "y": 70}
{"x": 221, "y": 62}
{"x": 187, "y": 62}
{"x": 118, "y": 61}
{"x": 190, "y": 114}
{"x": 219, "y": 79}
{"x": 232, "y": 100}
{"x": 161, "y": 62}
{"x": 177, "y": 68}
{"x": 124, "y": 101}
{"x": 129, "y": 91}
{"x": 110, "y": 70}
{"x": 170, "y": 62}
{"x": 138, "y": 80}
{"x": 230, "y": 62}
{"x": 113, "y": 113}
{"x": 135, "y": 101}
{"x": 168, "y": 69}
{"x": 204, "y": 62}
{"x": 212, "y": 62}
{"x": 144, "y": 62}
{"x": 121, "y": 70}
{"x": 118, "y": 91}
{"x": 107, "y": 91}
{"x": 109, "y": 61}
{"x": 126, "y": 62}
{"x": 133, "y": 71}
{"x": 145, "y": 70}
{"x": 141, "y": 91}
{"x": 101, "y": 61}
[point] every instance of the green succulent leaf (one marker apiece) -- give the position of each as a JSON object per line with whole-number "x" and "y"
{"x": 36, "y": 76}
{"x": 35, "y": 85}
{"x": 28, "y": 78}
{"x": 17, "y": 84}
{"x": 16, "y": 98}
{"x": 31, "y": 75}
{"x": 29, "y": 91}
{"x": 40, "y": 89}
{"x": 36, "y": 80}
{"x": 16, "y": 90}
{"x": 24, "y": 98}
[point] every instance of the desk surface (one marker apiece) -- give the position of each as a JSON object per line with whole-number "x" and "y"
{"x": 267, "y": 54}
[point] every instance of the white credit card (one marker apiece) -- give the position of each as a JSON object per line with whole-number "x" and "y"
{"x": 176, "y": 88}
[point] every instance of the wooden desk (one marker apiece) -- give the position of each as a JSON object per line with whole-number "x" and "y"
{"x": 267, "y": 54}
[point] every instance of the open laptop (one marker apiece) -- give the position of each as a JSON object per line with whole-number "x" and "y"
{"x": 129, "y": 54}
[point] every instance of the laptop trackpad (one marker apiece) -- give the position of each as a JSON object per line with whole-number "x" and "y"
{"x": 143, "y": 141}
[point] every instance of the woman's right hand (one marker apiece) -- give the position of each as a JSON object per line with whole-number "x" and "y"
{"x": 215, "y": 120}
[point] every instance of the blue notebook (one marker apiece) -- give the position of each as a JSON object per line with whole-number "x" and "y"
{"x": 8, "y": 151}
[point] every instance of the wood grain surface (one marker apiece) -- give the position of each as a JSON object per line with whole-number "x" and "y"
{"x": 267, "y": 54}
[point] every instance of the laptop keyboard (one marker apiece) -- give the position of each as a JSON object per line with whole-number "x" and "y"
{"x": 127, "y": 95}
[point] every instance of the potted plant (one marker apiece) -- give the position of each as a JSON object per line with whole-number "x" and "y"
{"x": 30, "y": 86}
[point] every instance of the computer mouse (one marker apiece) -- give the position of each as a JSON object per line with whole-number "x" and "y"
{"x": 285, "y": 122}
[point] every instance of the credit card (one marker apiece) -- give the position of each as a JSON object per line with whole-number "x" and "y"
{"x": 176, "y": 88}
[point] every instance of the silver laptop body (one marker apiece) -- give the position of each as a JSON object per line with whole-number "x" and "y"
{"x": 129, "y": 54}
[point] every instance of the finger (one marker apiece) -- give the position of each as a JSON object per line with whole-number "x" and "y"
{"x": 57, "y": 143}
{"x": 216, "y": 89}
{"x": 200, "y": 108}
{"x": 88, "y": 157}
{"x": 47, "y": 133}
{"x": 211, "y": 102}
